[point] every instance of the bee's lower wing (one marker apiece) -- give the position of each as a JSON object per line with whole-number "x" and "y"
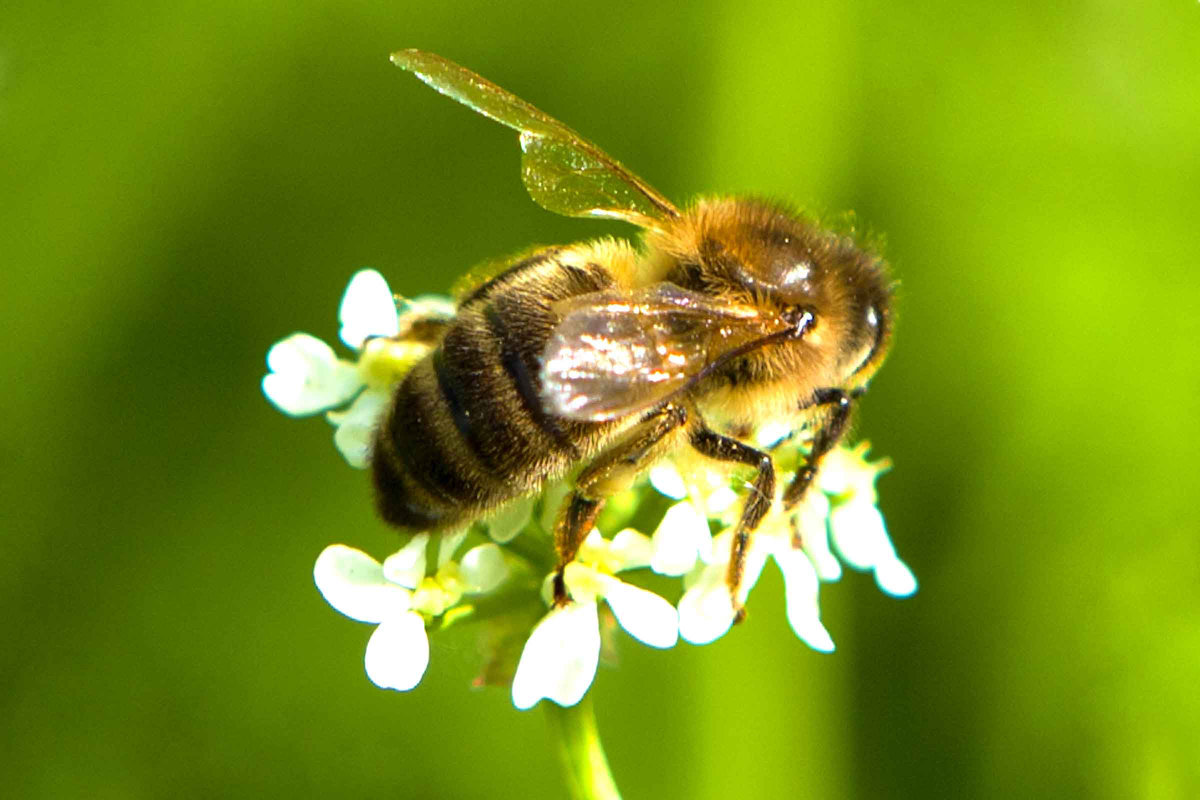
{"x": 616, "y": 354}
{"x": 562, "y": 171}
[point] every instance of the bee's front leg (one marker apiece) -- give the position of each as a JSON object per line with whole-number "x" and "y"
{"x": 826, "y": 438}
{"x": 609, "y": 472}
{"x": 758, "y": 503}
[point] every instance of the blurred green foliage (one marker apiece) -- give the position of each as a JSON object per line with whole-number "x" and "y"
{"x": 184, "y": 184}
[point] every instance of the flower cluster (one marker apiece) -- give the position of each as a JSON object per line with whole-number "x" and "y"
{"x": 559, "y": 653}
{"x": 306, "y": 377}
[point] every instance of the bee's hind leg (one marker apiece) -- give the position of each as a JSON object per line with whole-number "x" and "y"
{"x": 762, "y": 494}
{"x": 612, "y": 468}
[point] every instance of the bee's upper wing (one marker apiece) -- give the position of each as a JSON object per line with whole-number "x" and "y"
{"x": 563, "y": 172}
{"x": 618, "y": 353}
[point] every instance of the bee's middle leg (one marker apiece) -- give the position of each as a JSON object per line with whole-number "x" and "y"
{"x": 828, "y": 435}
{"x": 758, "y": 502}
{"x": 617, "y": 465}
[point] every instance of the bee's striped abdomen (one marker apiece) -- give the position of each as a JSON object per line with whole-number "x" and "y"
{"x": 467, "y": 429}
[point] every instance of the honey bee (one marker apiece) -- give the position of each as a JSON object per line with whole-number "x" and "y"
{"x": 605, "y": 355}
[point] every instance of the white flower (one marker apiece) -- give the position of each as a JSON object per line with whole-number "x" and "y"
{"x": 680, "y": 540}
{"x": 707, "y": 487}
{"x": 560, "y": 658}
{"x": 811, "y": 517}
{"x": 706, "y": 609}
{"x": 665, "y": 478}
{"x": 306, "y": 376}
{"x": 368, "y": 309}
{"x": 859, "y": 533}
{"x": 842, "y": 510}
{"x": 397, "y": 596}
{"x": 856, "y": 525}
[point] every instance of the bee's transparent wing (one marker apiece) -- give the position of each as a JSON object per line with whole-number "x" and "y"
{"x": 562, "y": 171}
{"x": 618, "y": 353}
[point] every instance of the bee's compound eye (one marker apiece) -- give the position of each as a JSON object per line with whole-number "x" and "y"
{"x": 872, "y": 316}
{"x": 795, "y": 274}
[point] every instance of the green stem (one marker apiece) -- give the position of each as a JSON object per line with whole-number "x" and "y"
{"x": 580, "y": 751}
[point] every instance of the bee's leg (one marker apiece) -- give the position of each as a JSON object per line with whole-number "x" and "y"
{"x": 610, "y": 469}
{"x": 758, "y": 503}
{"x": 827, "y": 437}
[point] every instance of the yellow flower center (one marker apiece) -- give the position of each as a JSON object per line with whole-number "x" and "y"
{"x": 383, "y": 362}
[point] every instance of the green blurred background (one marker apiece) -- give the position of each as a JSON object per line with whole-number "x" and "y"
{"x": 185, "y": 183}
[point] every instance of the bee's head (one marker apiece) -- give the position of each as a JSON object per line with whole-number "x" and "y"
{"x": 761, "y": 253}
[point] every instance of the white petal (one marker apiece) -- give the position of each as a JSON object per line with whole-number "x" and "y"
{"x": 846, "y": 471}
{"x": 368, "y": 309}
{"x": 772, "y": 433}
{"x": 678, "y": 539}
{"x": 306, "y": 376}
{"x": 836, "y": 475}
{"x": 504, "y": 526}
{"x": 407, "y": 565}
{"x": 432, "y": 306}
{"x": 398, "y": 652}
{"x": 761, "y": 546}
{"x": 483, "y": 568}
{"x": 826, "y": 564}
{"x": 858, "y": 532}
{"x": 449, "y": 543}
{"x": 720, "y": 500}
{"x": 801, "y": 588}
{"x": 552, "y": 500}
{"x": 811, "y": 518}
{"x": 559, "y": 660}
{"x": 547, "y": 590}
{"x": 644, "y": 615}
{"x": 356, "y": 427}
{"x": 353, "y": 583}
{"x": 665, "y": 478}
{"x": 630, "y": 549}
{"x": 706, "y": 610}
{"x": 895, "y": 578}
